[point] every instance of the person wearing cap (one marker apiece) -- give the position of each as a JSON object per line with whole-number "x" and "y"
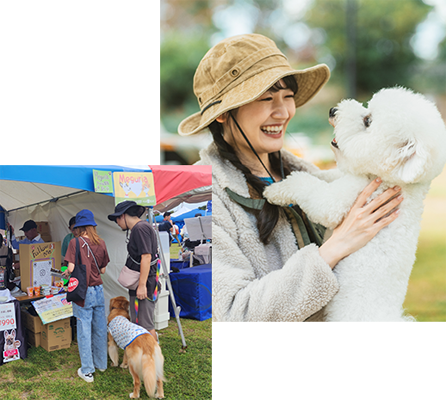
{"x": 31, "y": 234}
{"x": 142, "y": 247}
{"x": 90, "y": 313}
{"x": 270, "y": 263}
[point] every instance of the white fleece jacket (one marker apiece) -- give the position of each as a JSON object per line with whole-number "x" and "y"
{"x": 256, "y": 282}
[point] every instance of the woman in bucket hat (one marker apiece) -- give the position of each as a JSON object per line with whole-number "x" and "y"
{"x": 142, "y": 247}
{"x": 269, "y": 262}
{"x": 90, "y": 313}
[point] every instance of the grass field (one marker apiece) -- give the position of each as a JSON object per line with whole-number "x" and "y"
{"x": 426, "y": 295}
{"x": 53, "y": 375}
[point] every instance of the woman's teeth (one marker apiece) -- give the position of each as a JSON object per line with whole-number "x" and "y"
{"x": 272, "y": 129}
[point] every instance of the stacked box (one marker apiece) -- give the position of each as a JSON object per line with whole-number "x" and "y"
{"x": 33, "y": 325}
{"x": 56, "y": 335}
{"x": 43, "y": 228}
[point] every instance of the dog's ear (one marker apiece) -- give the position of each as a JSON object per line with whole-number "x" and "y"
{"x": 412, "y": 161}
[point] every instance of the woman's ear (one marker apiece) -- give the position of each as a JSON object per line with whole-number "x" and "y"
{"x": 222, "y": 118}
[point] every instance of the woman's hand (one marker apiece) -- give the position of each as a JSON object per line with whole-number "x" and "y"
{"x": 362, "y": 223}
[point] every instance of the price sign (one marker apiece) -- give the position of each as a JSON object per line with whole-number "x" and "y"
{"x": 7, "y": 317}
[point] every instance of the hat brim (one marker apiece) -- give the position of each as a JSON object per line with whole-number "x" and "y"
{"x": 83, "y": 224}
{"x": 309, "y": 81}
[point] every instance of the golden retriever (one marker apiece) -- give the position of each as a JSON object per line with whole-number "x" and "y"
{"x": 143, "y": 355}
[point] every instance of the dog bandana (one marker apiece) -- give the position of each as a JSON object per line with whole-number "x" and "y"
{"x": 124, "y": 332}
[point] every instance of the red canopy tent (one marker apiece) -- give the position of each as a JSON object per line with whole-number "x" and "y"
{"x": 175, "y": 184}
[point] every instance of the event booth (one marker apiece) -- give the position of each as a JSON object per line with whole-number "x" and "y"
{"x": 53, "y": 135}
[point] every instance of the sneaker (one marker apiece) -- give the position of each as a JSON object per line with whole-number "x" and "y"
{"x": 85, "y": 377}
{"x": 102, "y": 370}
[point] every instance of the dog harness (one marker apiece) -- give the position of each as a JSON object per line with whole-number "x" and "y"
{"x": 125, "y": 332}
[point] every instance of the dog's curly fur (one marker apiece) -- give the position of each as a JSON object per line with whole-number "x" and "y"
{"x": 143, "y": 356}
{"x": 401, "y": 138}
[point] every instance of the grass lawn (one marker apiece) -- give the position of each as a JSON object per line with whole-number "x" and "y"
{"x": 426, "y": 295}
{"x": 53, "y": 375}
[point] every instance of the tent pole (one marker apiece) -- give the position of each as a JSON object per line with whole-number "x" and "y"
{"x": 176, "y": 308}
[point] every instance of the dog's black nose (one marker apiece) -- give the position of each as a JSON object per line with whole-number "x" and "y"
{"x": 332, "y": 112}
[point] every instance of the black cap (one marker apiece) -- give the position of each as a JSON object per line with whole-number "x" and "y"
{"x": 121, "y": 208}
{"x": 28, "y": 225}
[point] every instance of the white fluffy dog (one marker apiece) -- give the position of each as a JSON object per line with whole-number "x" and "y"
{"x": 401, "y": 138}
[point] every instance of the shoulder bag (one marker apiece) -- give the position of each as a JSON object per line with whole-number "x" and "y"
{"x": 130, "y": 278}
{"x": 77, "y": 285}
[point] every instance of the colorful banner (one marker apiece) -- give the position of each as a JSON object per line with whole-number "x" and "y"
{"x": 103, "y": 182}
{"x": 136, "y": 186}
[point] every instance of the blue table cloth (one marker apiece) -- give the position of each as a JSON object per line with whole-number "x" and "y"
{"x": 192, "y": 288}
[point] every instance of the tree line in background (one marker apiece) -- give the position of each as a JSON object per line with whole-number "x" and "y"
{"x": 367, "y": 44}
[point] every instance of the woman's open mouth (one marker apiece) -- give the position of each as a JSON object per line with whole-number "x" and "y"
{"x": 272, "y": 130}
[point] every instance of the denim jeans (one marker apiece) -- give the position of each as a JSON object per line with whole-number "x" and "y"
{"x": 92, "y": 330}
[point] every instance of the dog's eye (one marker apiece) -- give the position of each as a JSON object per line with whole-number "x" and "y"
{"x": 367, "y": 121}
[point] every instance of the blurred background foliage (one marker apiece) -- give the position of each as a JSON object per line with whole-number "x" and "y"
{"x": 368, "y": 45}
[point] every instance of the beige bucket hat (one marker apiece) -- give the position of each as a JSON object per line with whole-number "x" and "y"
{"x": 240, "y": 69}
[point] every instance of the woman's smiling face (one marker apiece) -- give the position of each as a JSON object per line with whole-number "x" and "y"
{"x": 263, "y": 121}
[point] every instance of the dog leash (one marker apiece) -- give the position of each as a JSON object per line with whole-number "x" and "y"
{"x": 155, "y": 293}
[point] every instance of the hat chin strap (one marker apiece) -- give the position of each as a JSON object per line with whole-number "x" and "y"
{"x": 255, "y": 152}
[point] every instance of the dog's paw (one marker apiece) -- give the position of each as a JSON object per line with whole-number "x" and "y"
{"x": 124, "y": 365}
{"x": 133, "y": 397}
{"x": 278, "y": 193}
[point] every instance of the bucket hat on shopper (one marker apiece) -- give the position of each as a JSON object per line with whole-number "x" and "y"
{"x": 84, "y": 218}
{"x": 239, "y": 70}
{"x": 121, "y": 208}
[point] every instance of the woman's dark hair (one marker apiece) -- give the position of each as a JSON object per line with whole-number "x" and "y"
{"x": 268, "y": 216}
{"x": 71, "y": 222}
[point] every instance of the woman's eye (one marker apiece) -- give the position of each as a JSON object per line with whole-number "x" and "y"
{"x": 266, "y": 99}
{"x": 367, "y": 121}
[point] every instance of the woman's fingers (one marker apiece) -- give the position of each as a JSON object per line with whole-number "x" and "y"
{"x": 367, "y": 192}
{"x": 383, "y": 198}
{"x": 388, "y": 207}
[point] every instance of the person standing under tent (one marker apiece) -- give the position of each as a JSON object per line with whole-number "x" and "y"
{"x": 142, "y": 247}
{"x": 31, "y": 234}
{"x": 69, "y": 236}
{"x": 90, "y": 313}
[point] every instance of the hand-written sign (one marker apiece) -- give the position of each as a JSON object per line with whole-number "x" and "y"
{"x": 7, "y": 317}
{"x": 42, "y": 250}
{"x": 136, "y": 186}
{"x": 103, "y": 182}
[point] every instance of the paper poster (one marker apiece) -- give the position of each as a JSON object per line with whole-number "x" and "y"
{"x": 103, "y": 181}
{"x": 136, "y": 186}
{"x": 42, "y": 272}
{"x": 7, "y": 317}
{"x": 53, "y": 308}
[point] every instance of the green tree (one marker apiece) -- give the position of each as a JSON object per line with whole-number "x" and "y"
{"x": 384, "y": 28}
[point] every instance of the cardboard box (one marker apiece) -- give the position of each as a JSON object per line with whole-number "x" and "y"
{"x": 33, "y": 338}
{"x": 43, "y": 227}
{"x": 36, "y": 261}
{"x": 31, "y": 322}
{"x": 46, "y": 237}
{"x": 56, "y": 335}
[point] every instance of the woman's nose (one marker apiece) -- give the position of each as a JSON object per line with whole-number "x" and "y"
{"x": 280, "y": 110}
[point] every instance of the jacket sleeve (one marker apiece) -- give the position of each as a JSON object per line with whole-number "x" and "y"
{"x": 299, "y": 289}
